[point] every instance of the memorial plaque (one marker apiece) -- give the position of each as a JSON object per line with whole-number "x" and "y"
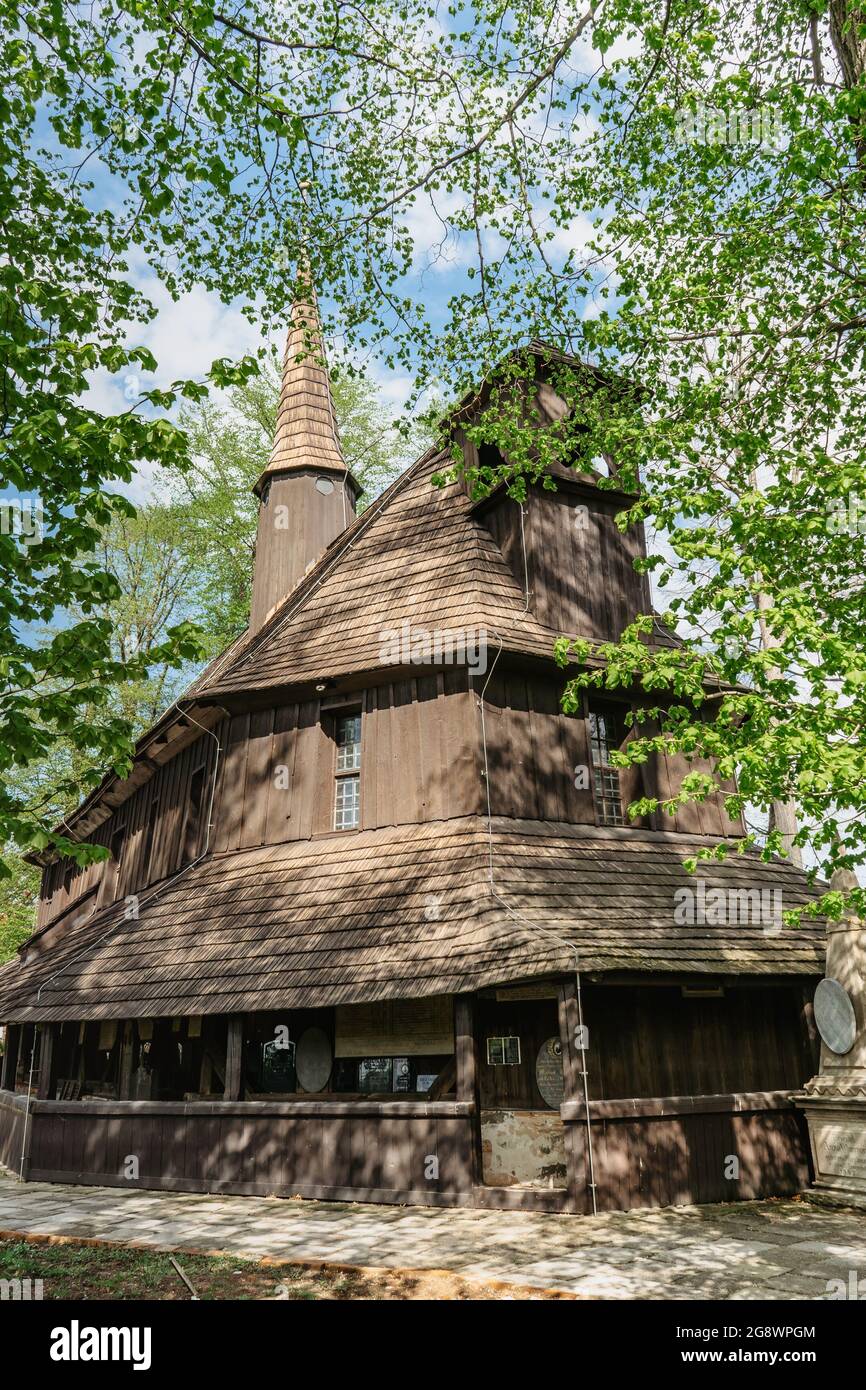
{"x": 548, "y": 1072}
{"x": 313, "y": 1059}
{"x": 834, "y": 1016}
{"x": 840, "y": 1150}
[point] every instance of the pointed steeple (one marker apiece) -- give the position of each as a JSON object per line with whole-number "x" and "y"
{"x": 306, "y": 434}
{"x": 306, "y": 493}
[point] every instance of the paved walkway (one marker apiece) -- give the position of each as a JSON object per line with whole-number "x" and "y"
{"x": 777, "y": 1250}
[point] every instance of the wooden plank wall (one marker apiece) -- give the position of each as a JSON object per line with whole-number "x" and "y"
{"x": 346, "y": 1152}
{"x": 680, "y": 1159}
{"x": 648, "y": 1042}
{"x": 421, "y": 761}
{"x": 708, "y": 817}
{"x": 418, "y": 763}
{"x": 533, "y": 749}
{"x": 653, "y": 1042}
{"x": 361, "y": 1152}
{"x": 581, "y": 565}
{"x": 170, "y": 785}
{"x": 534, "y": 1022}
{"x": 12, "y": 1119}
{"x": 289, "y": 540}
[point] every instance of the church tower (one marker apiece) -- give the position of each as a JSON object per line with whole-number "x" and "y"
{"x": 307, "y": 495}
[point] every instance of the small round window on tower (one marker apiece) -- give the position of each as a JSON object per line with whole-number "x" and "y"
{"x": 325, "y": 486}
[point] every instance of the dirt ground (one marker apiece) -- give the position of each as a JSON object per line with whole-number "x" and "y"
{"x": 75, "y": 1270}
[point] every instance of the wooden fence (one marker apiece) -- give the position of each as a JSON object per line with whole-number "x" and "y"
{"x": 647, "y": 1153}
{"x": 361, "y": 1151}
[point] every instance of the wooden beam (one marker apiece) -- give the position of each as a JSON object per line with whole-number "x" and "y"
{"x": 10, "y": 1057}
{"x": 466, "y": 1060}
{"x": 580, "y": 1199}
{"x": 234, "y": 1050}
{"x": 124, "y": 1085}
{"x": 464, "y": 1048}
{"x": 569, "y": 1021}
{"x": 47, "y": 1035}
{"x": 445, "y": 1082}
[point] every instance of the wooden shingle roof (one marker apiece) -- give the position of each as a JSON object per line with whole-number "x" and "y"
{"x": 306, "y": 434}
{"x": 404, "y": 912}
{"x": 417, "y": 555}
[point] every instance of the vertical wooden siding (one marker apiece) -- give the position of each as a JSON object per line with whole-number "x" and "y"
{"x": 653, "y": 1042}
{"x": 13, "y": 1113}
{"x": 418, "y": 762}
{"x": 170, "y": 784}
{"x": 361, "y": 1152}
{"x": 582, "y": 578}
{"x": 534, "y": 749}
{"x": 683, "y": 1157}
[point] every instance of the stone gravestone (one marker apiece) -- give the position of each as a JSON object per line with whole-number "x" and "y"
{"x": 835, "y": 1100}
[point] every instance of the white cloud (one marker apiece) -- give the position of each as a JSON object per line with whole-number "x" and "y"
{"x": 438, "y": 245}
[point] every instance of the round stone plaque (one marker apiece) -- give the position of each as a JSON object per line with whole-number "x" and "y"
{"x": 313, "y": 1060}
{"x": 548, "y": 1072}
{"x": 834, "y": 1016}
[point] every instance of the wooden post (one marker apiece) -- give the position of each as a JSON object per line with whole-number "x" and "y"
{"x": 464, "y": 1047}
{"x": 575, "y": 1134}
{"x": 124, "y": 1084}
{"x": 10, "y": 1057}
{"x": 47, "y": 1034}
{"x": 234, "y": 1048}
{"x": 466, "y": 1059}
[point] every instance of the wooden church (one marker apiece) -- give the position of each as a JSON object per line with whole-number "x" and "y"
{"x": 375, "y": 924}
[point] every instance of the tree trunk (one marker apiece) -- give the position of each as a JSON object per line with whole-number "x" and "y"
{"x": 783, "y": 815}
{"x": 845, "y": 16}
{"x": 849, "y": 45}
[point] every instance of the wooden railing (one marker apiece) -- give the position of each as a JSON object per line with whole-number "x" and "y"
{"x": 388, "y": 1151}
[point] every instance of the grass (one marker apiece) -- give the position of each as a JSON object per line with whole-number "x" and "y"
{"x": 75, "y": 1270}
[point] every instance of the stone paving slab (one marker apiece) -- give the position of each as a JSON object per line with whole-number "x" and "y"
{"x": 744, "y": 1250}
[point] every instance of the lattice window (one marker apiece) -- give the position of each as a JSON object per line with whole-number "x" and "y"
{"x": 503, "y": 1052}
{"x": 347, "y": 792}
{"x": 606, "y": 735}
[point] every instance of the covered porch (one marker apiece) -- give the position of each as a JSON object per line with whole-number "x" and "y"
{"x": 472, "y": 1099}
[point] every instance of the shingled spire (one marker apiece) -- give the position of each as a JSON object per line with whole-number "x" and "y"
{"x": 307, "y": 495}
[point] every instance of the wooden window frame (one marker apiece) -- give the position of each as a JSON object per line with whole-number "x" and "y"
{"x": 335, "y": 715}
{"x": 150, "y": 837}
{"x": 114, "y": 865}
{"x": 503, "y": 1038}
{"x": 598, "y": 770}
{"x": 188, "y": 853}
